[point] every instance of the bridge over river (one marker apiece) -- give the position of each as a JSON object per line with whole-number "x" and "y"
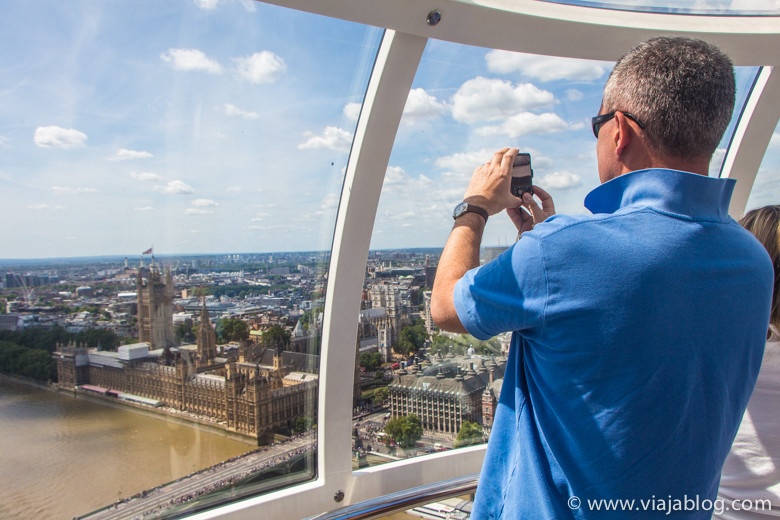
{"x": 163, "y": 499}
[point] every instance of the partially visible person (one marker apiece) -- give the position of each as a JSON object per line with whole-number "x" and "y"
{"x": 638, "y": 330}
{"x": 750, "y": 480}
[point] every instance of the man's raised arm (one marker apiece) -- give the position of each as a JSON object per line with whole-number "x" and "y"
{"x": 487, "y": 194}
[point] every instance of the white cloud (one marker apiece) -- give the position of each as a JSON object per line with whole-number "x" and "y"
{"x": 207, "y": 4}
{"x": 716, "y": 162}
{"x": 249, "y": 5}
{"x": 330, "y": 201}
{"x": 464, "y": 162}
{"x": 234, "y": 189}
{"x": 57, "y": 137}
{"x": 145, "y": 176}
{"x": 527, "y": 123}
{"x": 204, "y": 203}
{"x": 352, "y": 111}
{"x": 572, "y": 94}
{"x": 197, "y": 211}
{"x": 333, "y": 138}
{"x": 421, "y": 105}
{"x": 175, "y": 188}
{"x": 775, "y": 141}
{"x": 483, "y": 99}
{"x": 38, "y": 206}
{"x": 545, "y": 68}
{"x": 189, "y": 60}
{"x": 261, "y": 67}
{"x": 233, "y": 110}
{"x": 754, "y": 5}
{"x": 144, "y": 208}
{"x": 70, "y": 190}
{"x": 398, "y": 181}
{"x": 560, "y": 181}
{"x": 123, "y": 155}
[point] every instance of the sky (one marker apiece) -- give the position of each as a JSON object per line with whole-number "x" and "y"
{"x": 224, "y": 126}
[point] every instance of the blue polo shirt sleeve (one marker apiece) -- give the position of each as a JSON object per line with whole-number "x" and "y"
{"x": 507, "y": 294}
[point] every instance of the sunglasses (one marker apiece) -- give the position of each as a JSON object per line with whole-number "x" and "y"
{"x": 597, "y": 121}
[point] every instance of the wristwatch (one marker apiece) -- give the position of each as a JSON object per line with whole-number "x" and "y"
{"x": 464, "y": 207}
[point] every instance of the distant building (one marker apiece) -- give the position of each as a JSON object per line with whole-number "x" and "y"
{"x": 446, "y": 394}
{"x": 393, "y": 298}
{"x": 430, "y": 326}
{"x": 85, "y": 292}
{"x": 13, "y": 280}
{"x": 10, "y": 322}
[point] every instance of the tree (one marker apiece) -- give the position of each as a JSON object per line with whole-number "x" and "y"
{"x": 302, "y": 423}
{"x": 98, "y": 338}
{"x": 28, "y": 362}
{"x": 404, "y": 347}
{"x": 276, "y": 337}
{"x": 370, "y": 360}
{"x": 406, "y": 431}
{"x": 380, "y": 394}
{"x": 233, "y": 329}
{"x": 309, "y": 319}
{"x": 184, "y": 333}
{"x": 470, "y": 433}
{"x": 411, "y": 338}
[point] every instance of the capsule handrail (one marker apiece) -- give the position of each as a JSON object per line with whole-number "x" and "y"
{"x": 402, "y": 500}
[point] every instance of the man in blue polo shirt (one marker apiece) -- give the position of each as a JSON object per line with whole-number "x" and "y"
{"x": 639, "y": 329}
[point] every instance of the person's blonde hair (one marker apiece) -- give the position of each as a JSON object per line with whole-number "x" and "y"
{"x": 764, "y": 223}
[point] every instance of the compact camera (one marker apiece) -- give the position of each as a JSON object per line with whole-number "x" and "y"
{"x": 522, "y": 175}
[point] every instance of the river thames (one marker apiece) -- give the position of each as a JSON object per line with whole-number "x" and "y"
{"x": 62, "y": 457}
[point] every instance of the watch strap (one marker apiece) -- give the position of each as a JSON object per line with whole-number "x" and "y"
{"x": 465, "y": 207}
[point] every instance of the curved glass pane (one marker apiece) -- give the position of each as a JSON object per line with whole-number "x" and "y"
{"x": 171, "y": 172}
{"x": 465, "y": 103}
{"x": 766, "y": 188}
{"x": 745, "y": 79}
{"x": 707, "y": 7}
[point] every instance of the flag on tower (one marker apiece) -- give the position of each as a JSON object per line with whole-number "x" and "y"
{"x": 148, "y": 251}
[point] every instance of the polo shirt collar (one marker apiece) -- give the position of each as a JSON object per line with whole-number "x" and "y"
{"x": 669, "y": 191}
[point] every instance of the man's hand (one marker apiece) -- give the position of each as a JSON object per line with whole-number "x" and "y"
{"x": 489, "y": 185}
{"x": 530, "y": 213}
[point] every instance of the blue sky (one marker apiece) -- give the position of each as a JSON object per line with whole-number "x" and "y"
{"x": 224, "y": 126}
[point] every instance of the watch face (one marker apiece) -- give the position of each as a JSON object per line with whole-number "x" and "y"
{"x": 460, "y": 209}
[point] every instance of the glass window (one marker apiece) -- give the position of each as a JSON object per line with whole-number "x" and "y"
{"x": 465, "y": 103}
{"x": 745, "y": 78}
{"x": 172, "y": 173}
{"x": 709, "y": 7}
{"x": 766, "y": 188}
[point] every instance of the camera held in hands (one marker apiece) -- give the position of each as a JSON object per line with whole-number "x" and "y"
{"x": 522, "y": 175}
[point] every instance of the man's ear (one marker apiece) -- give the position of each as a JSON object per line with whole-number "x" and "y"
{"x": 622, "y": 133}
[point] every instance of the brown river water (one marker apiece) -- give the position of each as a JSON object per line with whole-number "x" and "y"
{"x": 62, "y": 457}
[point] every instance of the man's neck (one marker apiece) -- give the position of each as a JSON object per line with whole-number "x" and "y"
{"x": 699, "y": 166}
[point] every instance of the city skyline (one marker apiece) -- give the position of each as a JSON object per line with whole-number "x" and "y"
{"x": 227, "y": 128}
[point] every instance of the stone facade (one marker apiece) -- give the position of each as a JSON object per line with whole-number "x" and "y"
{"x": 446, "y": 394}
{"x": 247, "y": 395}
{"x": 155, "y": 307}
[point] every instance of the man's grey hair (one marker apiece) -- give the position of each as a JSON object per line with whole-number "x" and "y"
{"x": 681, "y": 89}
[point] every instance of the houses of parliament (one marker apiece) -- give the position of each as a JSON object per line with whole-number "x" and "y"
{"x": 254, "y": 393}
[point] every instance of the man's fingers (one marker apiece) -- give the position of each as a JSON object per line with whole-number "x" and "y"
{"x": 538, "y": 213}
{"x": 547, "y": 202}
